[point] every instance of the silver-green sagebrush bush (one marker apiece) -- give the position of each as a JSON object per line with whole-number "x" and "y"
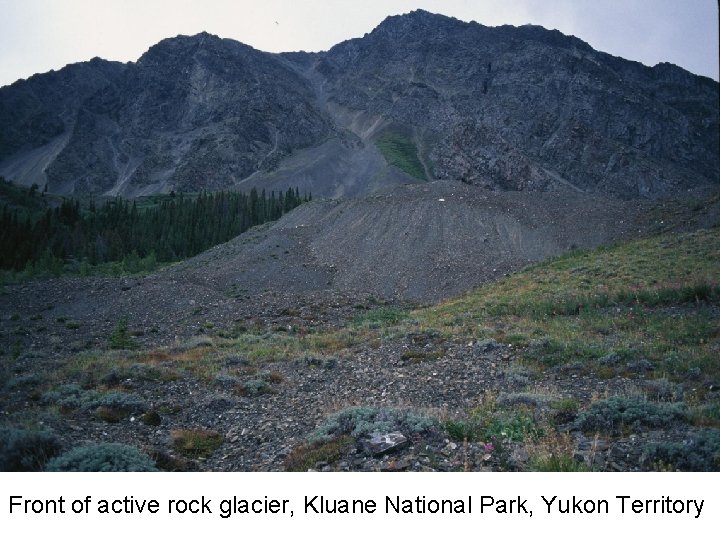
{"x": 361, "y": 421}
{"x": 26, "y": 450}
{"x": 698, "y": 452}
{"x": 103, "y": 457}
{"x": 617, "y": 413}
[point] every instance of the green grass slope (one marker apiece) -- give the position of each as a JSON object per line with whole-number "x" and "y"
{"x": 400, "y": 151}
{"x": 654, "y": 299}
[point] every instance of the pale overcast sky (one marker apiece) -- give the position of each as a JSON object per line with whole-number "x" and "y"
{"x": 39, "y": 35}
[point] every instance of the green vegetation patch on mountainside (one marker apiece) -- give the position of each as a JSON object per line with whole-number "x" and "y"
{"x": 400, "y": 151}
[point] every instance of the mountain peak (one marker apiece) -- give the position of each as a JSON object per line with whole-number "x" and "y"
{"x": 421, "y": 14}
{"x": 426, "y": 24}
{"x": 417, "y": 19}
{"x": 180, "y": 46}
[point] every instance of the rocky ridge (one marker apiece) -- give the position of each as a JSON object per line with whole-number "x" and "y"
{"x": 193, "y": 113}
{"x": 529, "y": 109}
{"x": 506, "y": 108}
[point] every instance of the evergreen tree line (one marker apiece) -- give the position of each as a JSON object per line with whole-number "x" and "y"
{"x": 177, "y": 227}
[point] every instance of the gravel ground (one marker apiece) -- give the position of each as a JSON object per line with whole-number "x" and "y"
{"x": 318, "y": 268}
{"x": 260, "y": 431}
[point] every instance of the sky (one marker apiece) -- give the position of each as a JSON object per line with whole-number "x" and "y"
{"x": 39, "y": 35}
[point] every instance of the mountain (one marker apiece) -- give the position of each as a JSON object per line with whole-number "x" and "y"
{"x": 421, "y": 97}
{"x": 299, "y": 343}
{"x": 527, "y": 108}
{"x": 39, "y": 115}
{"x": 193, "y": 113}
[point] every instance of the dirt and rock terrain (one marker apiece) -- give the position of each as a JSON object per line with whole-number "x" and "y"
{"x": 261, "y": 431}
{"x": 510, "y": 260}
{"x": 414, "y": 244}
{"x": 257, "y": 343}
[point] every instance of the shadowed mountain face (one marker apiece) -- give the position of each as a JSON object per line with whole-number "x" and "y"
{"x": 421, "y": 97}
{"x": 526, "y": 108}
{"x": 193, "y": 113}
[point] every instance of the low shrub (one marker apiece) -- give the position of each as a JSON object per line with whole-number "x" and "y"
{"x": 273, "y": 377}
{"x": 255, "y": 387}
{"x": 663, "y": 390}
{"x": 381, "y": 316}
{"x": 151, "y": 418}
{"x": 72, "y": 396}
{"x": 700, "y": 452}
{"x": 554, "y": 452}
{"x": 461, "y": 430}
{"x": 195, "y": 342}
{"x": 129, "y": 403}
{"x": 707, "y": 415}
{"x": 26, "y": 450}
{"x": 196, "y": 443}
{"x": 362, "y": 421}
{"x": 109, "y": 415}
{"x": 616, "y": 414}
{"x": 514, "y": 427}
{"x": 103, "y": 457}
{"x": 225, "y": 380}
{"x": 144, "y": 372}
{"x": 564, "y": 410}
{"x": 69, "y": 396}
{"x": 489, "y": 424}
{"x": 527, "y": 399}
{"x": 23, "y": 381}
{"x": 561, "y": 463}
{"x": 307, "y": 456}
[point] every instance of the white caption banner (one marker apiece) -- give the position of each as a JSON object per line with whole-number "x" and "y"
{"x": 194, "y": 505}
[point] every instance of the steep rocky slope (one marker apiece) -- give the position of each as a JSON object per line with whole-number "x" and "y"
{"x": 39, "y": 114}
{"x": 506, "y": 108}
{"x": 417, "y": 242}
{"x": 193, "y": 113}
{"x": 526, "y": 108}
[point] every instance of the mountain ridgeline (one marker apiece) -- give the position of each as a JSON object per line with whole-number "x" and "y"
{"x": 421, "y": 97}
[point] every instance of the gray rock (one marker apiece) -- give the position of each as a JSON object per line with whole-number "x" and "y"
{"x": 221, "y": 404}
{"x": 641, "y": 365}
{"x": 486, "y": 346}
{"x": 378, "y": 444}
{"x": 111, "y": 379}
{"x": 610, "y": 359}
{"x": 448, "y": 449}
